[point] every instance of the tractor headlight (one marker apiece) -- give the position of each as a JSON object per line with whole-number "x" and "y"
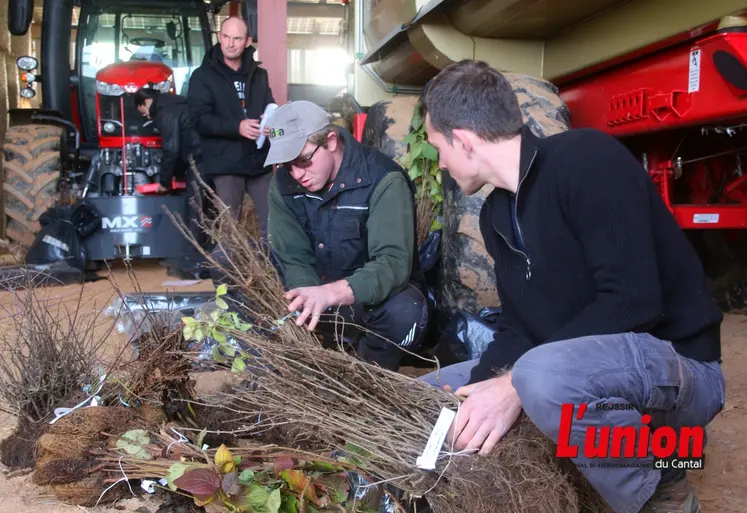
{"x": 27, "y": 63}
{"x": 28, "y": 77}
{"x": 109, "y": 127}
{"x": 109, "y": 89}
{"x": 28, "y": 92}
{"x": 163, "y": 87}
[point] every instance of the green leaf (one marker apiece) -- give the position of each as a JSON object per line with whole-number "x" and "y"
{"x": 290, "y": 504}
{"x": 224, "y": 322}
{"x": 430, "y": 152}
{"x": 244, "y": 327}
{"x": 219, "y": 336}
{"x": 217, "y": 355}
{"x": 189, "y": 321}
{"x": 133, "y": 442}
{"x": 222, "y": 290}
{"x": 410, "y": 138}
{"x": 175, "y": 472}
{"x": 199, "y": 334}
{"x": 228, "y": 350}
{"x": 417, "y": 149}
{"x": 417, "y": 120}
{"x": 324, "y": 466}
{"x": 273, "y": 501}
{"x": 257, "y": 496}
{"x": 238, "y": 365}
{"x": 246, "y": 476}
{"x": 406, "y": 160}
{"x": 214, "y": 315}
{"x": 188, "y": 332}
{"x": 221, "y": 303}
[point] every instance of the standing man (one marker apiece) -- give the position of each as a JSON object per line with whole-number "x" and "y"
{"x": 227, "y": 96}
{"x": 604, "y": 300}
{"x": 342, "y": 225}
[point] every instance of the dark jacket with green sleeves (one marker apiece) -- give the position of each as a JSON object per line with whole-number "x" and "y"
{"x": 362, "y": 229}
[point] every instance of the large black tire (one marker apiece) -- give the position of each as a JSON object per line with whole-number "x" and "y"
{"x": 32, "y": 165}
{"x": 467, "y": 280}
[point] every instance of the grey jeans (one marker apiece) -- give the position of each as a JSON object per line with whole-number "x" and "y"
{"x": 230, "y": 189}
{"x": 630, "y": 369}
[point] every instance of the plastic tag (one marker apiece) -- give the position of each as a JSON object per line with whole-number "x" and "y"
{"x": 427, "y": 460}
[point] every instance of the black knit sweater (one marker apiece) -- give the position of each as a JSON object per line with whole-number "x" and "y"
{"x": 597, "y": 252}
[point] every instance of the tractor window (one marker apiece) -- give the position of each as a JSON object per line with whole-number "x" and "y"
{"x": 173, "y": 38}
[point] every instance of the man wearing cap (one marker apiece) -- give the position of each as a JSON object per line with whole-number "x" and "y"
{"x": 342, "y": 225}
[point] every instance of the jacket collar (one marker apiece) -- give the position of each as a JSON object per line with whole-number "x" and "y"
{"x": 353, "y": 173}
{"x": 498, "y": 201}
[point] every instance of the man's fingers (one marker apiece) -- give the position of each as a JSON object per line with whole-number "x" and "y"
{"x": 468, "y": 433}
{"x": 482, "y": 433}
{"x": 494, "y": 437}
{"x": 458, "y": 425}
{"x": 291, "y": 294}
{"x": 296, "y": 304}
{"x": 466, "y": 390}
{"x": 314, "y": 320}
{"x": 304, "y": 315}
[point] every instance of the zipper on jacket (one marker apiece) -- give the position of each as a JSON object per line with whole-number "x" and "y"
{"x": 528, "y": 272}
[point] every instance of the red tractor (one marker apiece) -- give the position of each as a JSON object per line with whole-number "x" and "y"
{"x": 89, "y": 141}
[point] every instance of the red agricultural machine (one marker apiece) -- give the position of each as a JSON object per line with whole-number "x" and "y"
{"x": 682, "y": 109}
{"x": 667, "y": 78}
{"x": 88, "y": 141}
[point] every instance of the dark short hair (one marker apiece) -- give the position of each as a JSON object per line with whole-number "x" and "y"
{"x": 143, "y": 94}
{"x": 471, "y": 95}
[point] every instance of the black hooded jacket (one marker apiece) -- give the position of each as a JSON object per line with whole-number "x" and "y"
{"x": 216, "y": 112}
{"x": 171, "y": 116}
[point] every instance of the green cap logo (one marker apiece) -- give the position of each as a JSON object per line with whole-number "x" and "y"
{"x": 276, "y": 132}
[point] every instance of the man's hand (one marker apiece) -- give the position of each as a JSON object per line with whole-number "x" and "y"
{"x": 491, "y": 408}
{"x": 249, "y": 128}
{"x": 315, "y": 300}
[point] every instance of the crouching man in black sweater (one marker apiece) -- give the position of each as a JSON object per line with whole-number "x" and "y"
{"x": 604, "y": 300}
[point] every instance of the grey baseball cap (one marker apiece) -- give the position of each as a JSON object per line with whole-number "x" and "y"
{"x": 290, "y": 127}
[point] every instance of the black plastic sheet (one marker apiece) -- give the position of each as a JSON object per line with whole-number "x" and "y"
{"x": 467, "y": 335}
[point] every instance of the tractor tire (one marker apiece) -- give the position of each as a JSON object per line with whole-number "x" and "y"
{"x": 467, "y": 280}
{"x": 32, "y": 165}
{"x": 388, "y": 123}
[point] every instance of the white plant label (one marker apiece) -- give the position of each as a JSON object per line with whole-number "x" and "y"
{"x": 427, "y": 460}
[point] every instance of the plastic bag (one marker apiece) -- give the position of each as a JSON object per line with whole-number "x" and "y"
{"x": 430, "y": 251}
{"x": 368, "y": 496}
{"x": 136, "y": 313}
{"x": 467, "y": 335}
{"x": 57, "y": 241}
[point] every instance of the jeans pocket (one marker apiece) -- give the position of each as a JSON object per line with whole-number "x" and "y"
{"x": 663, "y": 371}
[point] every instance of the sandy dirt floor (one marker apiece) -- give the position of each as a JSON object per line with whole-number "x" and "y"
{"x": 721, "y": 486}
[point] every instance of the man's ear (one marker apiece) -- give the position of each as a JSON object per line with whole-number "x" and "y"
{"x": 464, "y": 139}
{"x": 332, "y": 141}
{"x": 249, "y": 41}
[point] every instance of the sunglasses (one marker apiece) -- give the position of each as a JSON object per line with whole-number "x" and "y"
{"x": 304, "y": 161}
